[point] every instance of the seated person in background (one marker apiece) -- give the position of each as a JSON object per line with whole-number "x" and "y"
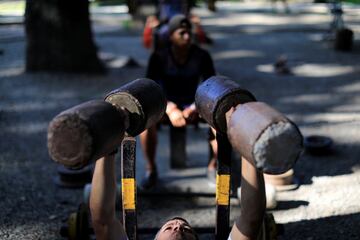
{"x": 248, "y": 225}
{"x": 178, "y": 69}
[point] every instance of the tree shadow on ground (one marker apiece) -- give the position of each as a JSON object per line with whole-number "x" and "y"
{"x": 343, "y": 227}
{"x": 285, "y": 205}
{"x": 339, "y": 160}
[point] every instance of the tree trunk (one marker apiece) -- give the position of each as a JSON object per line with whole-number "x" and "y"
{"x": 132, "y": 6}
{"x": 59, "y": 37}
{"x": 211, "y": 5}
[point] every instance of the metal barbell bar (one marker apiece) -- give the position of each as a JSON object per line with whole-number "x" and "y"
{"x": 86, "y": 132}
{"x": 258, "y": 132}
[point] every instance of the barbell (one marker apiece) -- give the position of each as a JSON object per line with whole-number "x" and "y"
{"x": 258, "y": 132}
{"x": 86, "y": 132}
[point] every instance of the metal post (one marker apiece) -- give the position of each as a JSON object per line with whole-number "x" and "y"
{"x": 128, "y": 186}
{"x": 177, "y": 147}
{"x": 223, "y": 187}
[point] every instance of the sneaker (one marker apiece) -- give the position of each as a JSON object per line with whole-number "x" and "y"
{"x": 149, "y": 181}
{"x": 211, "y": 176}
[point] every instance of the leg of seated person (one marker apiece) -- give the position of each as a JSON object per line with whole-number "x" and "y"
{"x": 148, "y": 140}
{"x": 211, "y": 169}
{"x": 214, "y": 149}
{"x": 214, "y": 155}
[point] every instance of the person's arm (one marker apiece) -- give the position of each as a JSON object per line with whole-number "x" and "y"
{"x": 253, "y": 203}
{"x": 102, "y": 201}
{"x": 190, "y": 113}
{"x": 175, "y": 115}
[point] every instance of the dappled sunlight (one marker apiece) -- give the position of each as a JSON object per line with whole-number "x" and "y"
{"x": 322, "y": 70}
{"x": 33, "y": 91}
{"x": 308, "y": 98}
{"x": 236, "y": 54}
{"x": 320, "y": 123}
{"x": 265, "y": 6}
{"x": 342, "y": 188}
{"x": 317, "y": 37}
{"x": 26, "y": 128}
{"x": 350, "y": 88}
{"x": 218, "y": 35}
{"x": 347, "y": 107}
{"x": 312, "y": 70}
{"x": 265, "y": 68}
{"x": 332, "y": 117}
{"x": 28, "y": 106}
{"x": 14, "y": 8}
{"x": 123, "y": 9}
{"x": 10, "y": 72}
{"x": 266, "y": 20}
{"x": 63, "y": 95}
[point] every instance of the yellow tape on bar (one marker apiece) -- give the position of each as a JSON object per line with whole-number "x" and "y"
{"x": 128, "y": 193}
{"x": 222, "y": 189}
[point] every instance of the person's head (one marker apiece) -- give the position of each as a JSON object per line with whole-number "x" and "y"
{"x": 176, "y": 229}
{"x": 180, "y": 30}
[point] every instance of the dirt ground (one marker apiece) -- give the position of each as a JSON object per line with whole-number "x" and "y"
{"x": 321, "y": 95}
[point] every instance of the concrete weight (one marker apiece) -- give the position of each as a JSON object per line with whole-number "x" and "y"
{"x": 86, "y": 132}
{"x": 258, "y": 132}
{"x": 216, "y": 96}
{"x": 143, "y": 99}
{"x": 265, "y": 137}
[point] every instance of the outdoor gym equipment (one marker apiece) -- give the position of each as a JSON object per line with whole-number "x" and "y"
{"x": 77, "y": 226}
{"x": 143, "y": 99}
{"x": 86, "y": 132}
{"x": 262, "y": 135}
{"x": 258, "y": 132}
{"x": 136, "y": 115}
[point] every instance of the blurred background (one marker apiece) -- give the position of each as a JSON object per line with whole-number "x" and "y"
{"x": 301, "y": 57}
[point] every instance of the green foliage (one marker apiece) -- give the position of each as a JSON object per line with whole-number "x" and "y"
{"x": 108, "y": 2}
{"x": 12, "y": 7}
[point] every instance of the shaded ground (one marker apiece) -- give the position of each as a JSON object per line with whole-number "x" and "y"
{"x": 321, "y": 96}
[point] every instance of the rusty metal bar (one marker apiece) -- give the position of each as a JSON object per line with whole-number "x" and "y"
{"x": 128, "y": 186}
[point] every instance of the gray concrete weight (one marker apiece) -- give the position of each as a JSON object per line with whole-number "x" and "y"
{"x": 264, "y": 136}
{"x": 143, "y": 99}
{"x": 86, "y": 132}
{"x": 216, "y": 96}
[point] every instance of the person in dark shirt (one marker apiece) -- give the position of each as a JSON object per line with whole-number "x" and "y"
{"x": 178, "y": 69}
